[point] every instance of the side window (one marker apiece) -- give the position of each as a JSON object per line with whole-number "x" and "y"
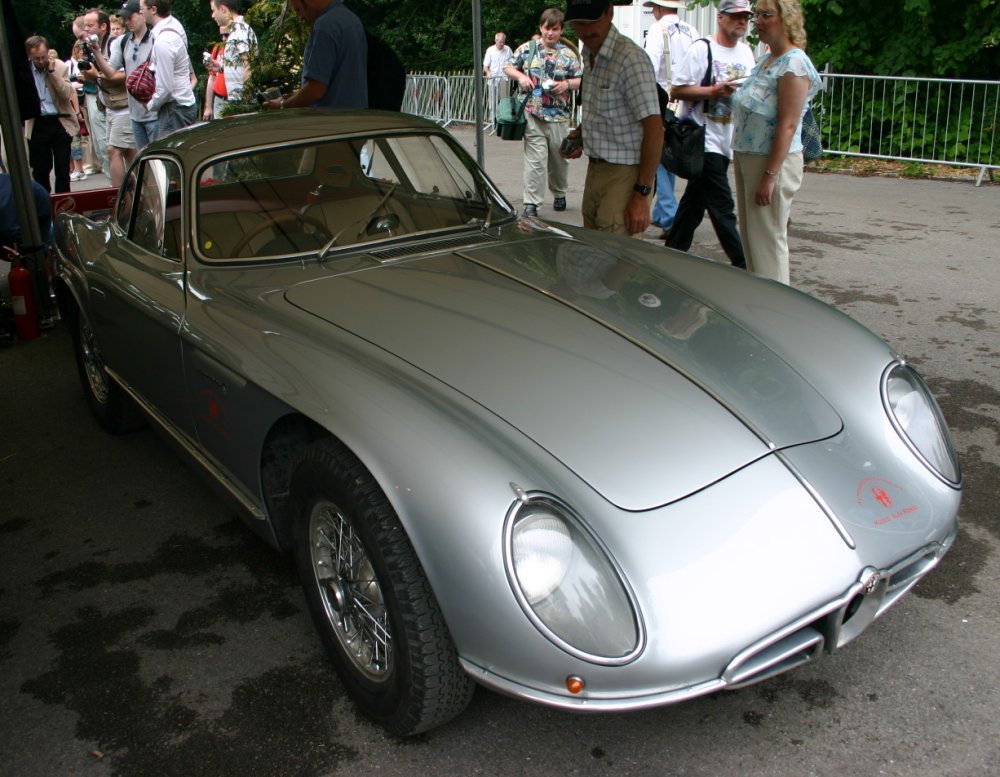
{"x": 157, "y": 223}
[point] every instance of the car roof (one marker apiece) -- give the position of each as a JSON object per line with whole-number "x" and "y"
{"x": 235, "y": 133}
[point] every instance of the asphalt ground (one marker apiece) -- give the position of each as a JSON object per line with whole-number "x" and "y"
{"x": 144, "y": 631}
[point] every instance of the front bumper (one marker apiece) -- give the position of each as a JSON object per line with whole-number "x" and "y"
{"x": 823, "y": 629}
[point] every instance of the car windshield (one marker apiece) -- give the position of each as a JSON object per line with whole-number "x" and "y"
{"x": 327, "y": 196}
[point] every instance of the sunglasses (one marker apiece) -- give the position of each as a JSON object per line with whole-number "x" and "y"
{"x": 740, "y": 17}
{"x": 764, "y": 14}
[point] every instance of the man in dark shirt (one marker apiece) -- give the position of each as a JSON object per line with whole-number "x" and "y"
{"x": 335, "y": 61}
{"x": 10, "y": 227}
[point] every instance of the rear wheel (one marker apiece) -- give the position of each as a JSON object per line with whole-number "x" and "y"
{"x": 112, "y": 407}
{"x": 372, "y": 604}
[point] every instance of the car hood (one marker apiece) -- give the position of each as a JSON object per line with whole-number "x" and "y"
{"x": 645, "y": 392}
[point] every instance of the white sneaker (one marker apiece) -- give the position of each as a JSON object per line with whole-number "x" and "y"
{"x": 76, "y": 176}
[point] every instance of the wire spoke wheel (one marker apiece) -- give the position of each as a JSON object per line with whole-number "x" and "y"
{"x": 351, "y": 592}
{"x": 91, "y": 363}
{"x": 370, "y": 599}
{"x": 112, "y": 407}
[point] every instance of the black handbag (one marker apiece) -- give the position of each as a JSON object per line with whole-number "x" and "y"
{"x": 684, "y": 138}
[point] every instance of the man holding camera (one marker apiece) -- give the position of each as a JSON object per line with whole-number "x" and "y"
{"x": 546, "y": 70}
{"x": 335, "y": 60}
{"x": 229, "y": 63}
{"x": 96, "y": 29}
{"x": 109, "y": 63}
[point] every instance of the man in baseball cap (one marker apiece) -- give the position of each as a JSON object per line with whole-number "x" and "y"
{"x": 586, "y": 10}
{"x": 622, "y": 128}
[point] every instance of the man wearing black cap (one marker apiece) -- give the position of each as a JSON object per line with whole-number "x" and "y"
{"x": 136, "y": 48}
{"x": 621, "y": 127}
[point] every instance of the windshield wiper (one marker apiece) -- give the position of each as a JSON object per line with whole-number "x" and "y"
{"x": 363, "y": 219}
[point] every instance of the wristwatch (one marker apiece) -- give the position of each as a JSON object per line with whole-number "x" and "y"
{"x": 643, "y": 189}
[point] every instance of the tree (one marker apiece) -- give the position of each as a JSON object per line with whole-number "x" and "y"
{"x": 930, "y": 38}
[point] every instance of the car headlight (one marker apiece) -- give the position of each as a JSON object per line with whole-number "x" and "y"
{"x": 917, "y": 418}
{"x": 567, "y": 584}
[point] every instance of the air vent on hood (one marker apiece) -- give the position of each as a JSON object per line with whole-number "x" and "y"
{"x": 433, "y": 246}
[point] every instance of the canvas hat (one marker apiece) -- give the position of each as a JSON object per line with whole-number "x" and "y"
{"x": 131, "y": 7}
{"x": 666, "y": 3}
{"x": 585, "y": 10}
{"x": 735, "y": 6}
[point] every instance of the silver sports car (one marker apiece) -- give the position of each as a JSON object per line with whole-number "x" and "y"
{"x": 578, "y": 469}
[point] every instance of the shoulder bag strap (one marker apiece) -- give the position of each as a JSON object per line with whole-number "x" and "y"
{"x": 706, "y": 79}
{"x": 665, "y": 64}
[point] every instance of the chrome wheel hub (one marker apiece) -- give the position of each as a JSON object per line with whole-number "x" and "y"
{"x": 93, "y": 364}
{"x": 351, "y": 592}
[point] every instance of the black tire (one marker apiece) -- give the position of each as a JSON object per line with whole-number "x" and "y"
{"x": 112, "y": 407}
{"x": 373, "y": 607}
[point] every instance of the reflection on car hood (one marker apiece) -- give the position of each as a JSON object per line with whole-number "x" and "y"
{"x": 647, "y": 393}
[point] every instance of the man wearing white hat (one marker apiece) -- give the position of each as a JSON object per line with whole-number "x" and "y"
{"x": 667, "y": 41}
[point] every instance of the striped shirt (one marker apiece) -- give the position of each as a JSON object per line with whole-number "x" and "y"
{"x": 619, "y": 91}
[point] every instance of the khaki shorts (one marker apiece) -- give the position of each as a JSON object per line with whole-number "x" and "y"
{"x": 120, "y": 130}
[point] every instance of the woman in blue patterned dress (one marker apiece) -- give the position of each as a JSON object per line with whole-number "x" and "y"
{"x": 767, "y": 138}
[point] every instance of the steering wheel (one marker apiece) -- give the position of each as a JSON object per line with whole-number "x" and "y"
{"x": 279, "y": 224}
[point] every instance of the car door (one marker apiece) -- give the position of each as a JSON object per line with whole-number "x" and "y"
{"x": 138, "y": 298}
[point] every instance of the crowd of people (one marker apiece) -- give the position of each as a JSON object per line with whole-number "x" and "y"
{"x": 749, "y": 110}
{"x": 90, "y": 120}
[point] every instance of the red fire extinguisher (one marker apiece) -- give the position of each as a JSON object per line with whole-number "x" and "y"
{"x": 25, "y": 317}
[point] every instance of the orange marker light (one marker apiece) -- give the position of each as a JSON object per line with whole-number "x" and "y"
{"x": 575, "y": 684}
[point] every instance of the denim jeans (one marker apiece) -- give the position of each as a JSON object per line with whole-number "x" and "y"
{"x": 145, "y": 131}
{"x": 665, "y": 204}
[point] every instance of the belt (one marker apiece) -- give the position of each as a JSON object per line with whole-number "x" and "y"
{"x": 598, "y": 161}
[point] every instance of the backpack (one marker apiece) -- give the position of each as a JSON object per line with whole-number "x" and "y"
{"x": 386, "y": 76}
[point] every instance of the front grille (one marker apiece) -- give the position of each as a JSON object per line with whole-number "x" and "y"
{"x": 836, "y": 623}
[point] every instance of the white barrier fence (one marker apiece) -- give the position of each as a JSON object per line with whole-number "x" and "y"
{"x": 924, "y": 120}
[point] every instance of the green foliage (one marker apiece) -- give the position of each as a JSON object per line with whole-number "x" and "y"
{"x": 930, "y": 38}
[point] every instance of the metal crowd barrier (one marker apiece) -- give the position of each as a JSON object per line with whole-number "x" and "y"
{"x": 428, "y": 96}
{"x": 924, "y": 120}
{"x": 452, "y": 99}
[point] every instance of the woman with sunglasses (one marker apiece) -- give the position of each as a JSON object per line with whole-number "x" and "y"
{"x": 767, "y": 138}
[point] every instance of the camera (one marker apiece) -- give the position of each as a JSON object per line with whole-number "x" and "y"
{"x": 93, "y": 38}
{"x": 84, "y": 64}
{"x": 270, "y": 93}
{"x": 571, "y": 144}
{"x": 206, "y": 57}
